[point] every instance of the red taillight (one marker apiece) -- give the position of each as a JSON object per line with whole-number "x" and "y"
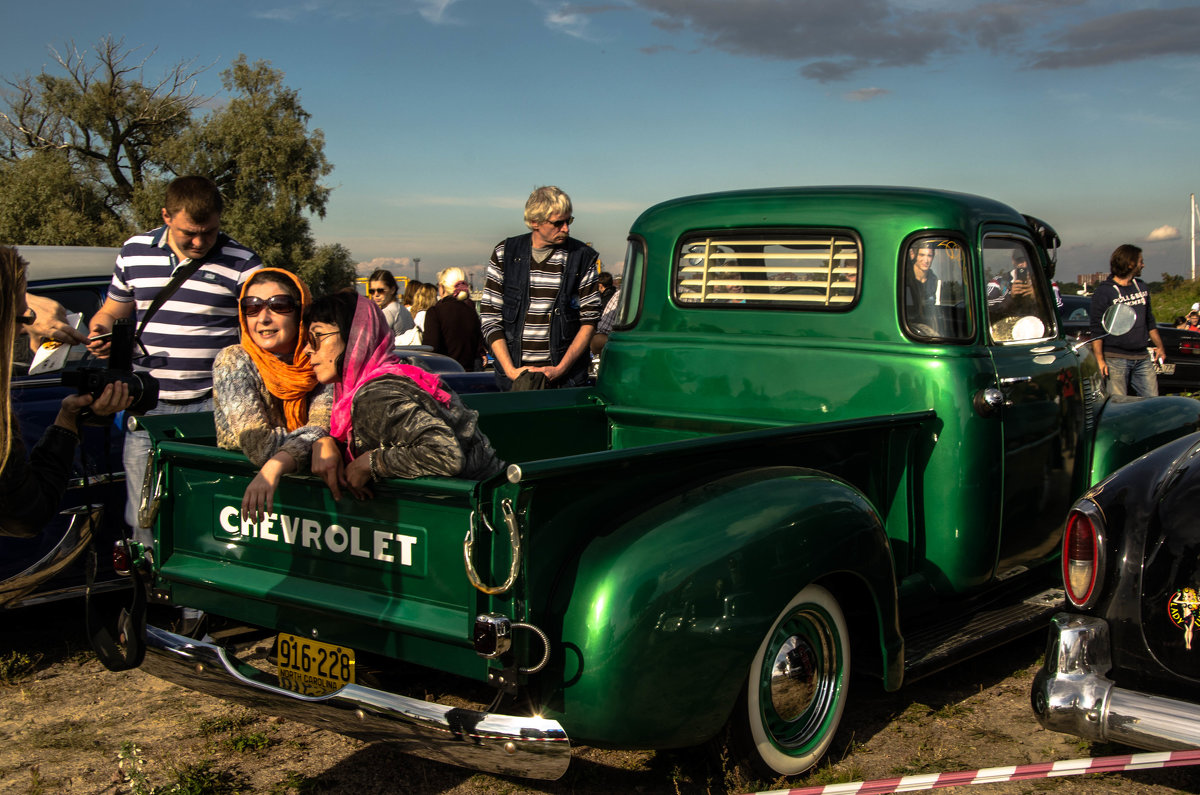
{"x": 1080, "y": 558}
{"x": 122, "y": 560}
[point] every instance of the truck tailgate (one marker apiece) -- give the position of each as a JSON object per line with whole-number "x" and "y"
{"x": 338, "y": 571}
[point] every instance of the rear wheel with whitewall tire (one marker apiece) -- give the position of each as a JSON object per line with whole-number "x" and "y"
{"x": 796, "y": 689}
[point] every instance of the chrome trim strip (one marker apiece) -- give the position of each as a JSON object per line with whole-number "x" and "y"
{"x": 505, "y": 744}
{"x": 1071, "y": 694}
{"x": 75, "y": 539}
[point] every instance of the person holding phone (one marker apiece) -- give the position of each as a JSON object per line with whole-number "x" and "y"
{"x": 1011, "y": 293}
{"x": 31, "y": 487}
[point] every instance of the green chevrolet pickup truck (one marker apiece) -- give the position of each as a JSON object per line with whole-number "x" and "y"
{"x": 834, "y": 429}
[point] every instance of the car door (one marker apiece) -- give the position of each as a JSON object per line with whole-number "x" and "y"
{"x": 1041, "y": 413}
{"x": 50, "y": 565}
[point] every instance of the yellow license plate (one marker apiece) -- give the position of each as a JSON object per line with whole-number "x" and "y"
{"x": 311, "y": 667}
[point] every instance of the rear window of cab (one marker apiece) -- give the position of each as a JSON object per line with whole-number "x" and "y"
{"x": 811, "y": 270}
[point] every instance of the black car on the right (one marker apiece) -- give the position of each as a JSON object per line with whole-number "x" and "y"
{"x": 1181, "y": 371}
{"x": 1123, "y": 662}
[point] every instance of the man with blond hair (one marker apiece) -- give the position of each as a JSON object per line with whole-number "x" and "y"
{"x": 541, "y": 302}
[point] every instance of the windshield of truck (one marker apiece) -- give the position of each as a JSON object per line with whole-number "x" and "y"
{"x": 934, "y": 280}
{"x": 1018, "y": 303}
{"x": 630, "y": 294}
{"x": 798, "y": 270}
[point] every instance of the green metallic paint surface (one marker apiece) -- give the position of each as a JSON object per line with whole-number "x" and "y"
{"x": 809, "y": 366}
{"x": 728, "y": 457}
{"x": 664, "y": 614}
{"x": 1131, "y": 427}
{"x": 333, "y": 584}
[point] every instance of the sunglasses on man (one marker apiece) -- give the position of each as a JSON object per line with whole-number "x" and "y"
{"x": 279, "y": 304}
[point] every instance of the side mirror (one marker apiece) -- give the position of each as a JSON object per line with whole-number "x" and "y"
{"x": 1118, "y": 319}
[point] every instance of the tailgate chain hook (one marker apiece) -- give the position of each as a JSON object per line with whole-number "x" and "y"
{"x": 152, "y": 491}
{"x": 514, "y": 540}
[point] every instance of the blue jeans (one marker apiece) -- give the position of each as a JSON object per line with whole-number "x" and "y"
{"x": 137, "y": 452}
{"x": 1131, "y": 376}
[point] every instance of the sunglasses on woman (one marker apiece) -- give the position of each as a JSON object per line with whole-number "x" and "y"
{"x": 279, "y": 304}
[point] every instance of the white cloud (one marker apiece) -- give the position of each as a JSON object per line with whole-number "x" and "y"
{"x": 434, "y": 10}
{"x": 866, "y": 94}
{"x": 1163, "y": 233}
{"x": 565, "y": 20}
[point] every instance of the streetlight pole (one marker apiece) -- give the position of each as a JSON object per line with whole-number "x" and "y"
{"x": 416, "y": 269}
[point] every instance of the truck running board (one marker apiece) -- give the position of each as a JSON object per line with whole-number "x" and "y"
{"x": 939, "y": 645}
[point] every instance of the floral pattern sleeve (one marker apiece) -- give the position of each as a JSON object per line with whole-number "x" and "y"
{"x": 250, "y": 418}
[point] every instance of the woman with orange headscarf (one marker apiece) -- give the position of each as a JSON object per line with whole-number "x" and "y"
{"x": 267, "y": 402}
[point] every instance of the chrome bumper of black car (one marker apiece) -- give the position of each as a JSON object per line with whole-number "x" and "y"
{"x": 81, "y": 525}
{"x": 1071, "y": 694}
{"x": 504, "y": 744}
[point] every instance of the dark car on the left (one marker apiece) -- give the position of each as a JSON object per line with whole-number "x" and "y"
{"x": 52, "y": 565}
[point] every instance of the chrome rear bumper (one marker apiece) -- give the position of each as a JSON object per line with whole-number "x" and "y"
{"x": 1071, "y": 694}
{"x": 505, "y": 744}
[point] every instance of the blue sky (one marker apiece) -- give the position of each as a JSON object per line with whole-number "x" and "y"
{"x": 440, "y": 116}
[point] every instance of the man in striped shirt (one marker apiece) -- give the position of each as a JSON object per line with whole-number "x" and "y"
{"x": 541, "y": 302}
{"x": 183, "y": 337}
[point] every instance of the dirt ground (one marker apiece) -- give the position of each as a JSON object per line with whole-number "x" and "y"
{"x": 72, "y": 727}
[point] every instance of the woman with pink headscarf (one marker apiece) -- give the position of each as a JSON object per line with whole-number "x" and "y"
{"x": 396, "y": 420}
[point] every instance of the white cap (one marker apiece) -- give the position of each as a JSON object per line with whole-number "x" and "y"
{"x": 1196, "y": 307}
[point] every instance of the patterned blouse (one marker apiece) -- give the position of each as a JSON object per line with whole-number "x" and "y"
{"x": 249, "y": 418}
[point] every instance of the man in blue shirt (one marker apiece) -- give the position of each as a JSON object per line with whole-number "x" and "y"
{"x": 1122, "y": 358}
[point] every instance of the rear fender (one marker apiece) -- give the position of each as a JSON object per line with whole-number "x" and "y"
{"x": 1131, "y": 427}
{"x": 662, "y": 617}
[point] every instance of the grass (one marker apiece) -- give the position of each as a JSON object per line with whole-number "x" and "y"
{"x": 68, "y": 735}
{"x": 196, "y": 778}
{"x": 16, "y": 665}
{"x": 293, "y": 782}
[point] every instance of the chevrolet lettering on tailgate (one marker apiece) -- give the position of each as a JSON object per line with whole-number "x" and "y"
{"x": 384, "y": 545}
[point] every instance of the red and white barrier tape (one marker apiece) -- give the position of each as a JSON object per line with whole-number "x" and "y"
{"x": 993, "y": 775}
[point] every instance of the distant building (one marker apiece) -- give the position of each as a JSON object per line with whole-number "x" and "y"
{"x": 1089, "y": 279}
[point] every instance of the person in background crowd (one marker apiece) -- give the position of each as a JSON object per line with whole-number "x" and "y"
{"x": 529, "y": 323}
{"x": 383, "y": 288}
{"x": 424, "y": 297}
{"x": 608, "y": 315}
{"x": 410, "y": 292}
{"x": 267, "y": 402}
{"x": 1191, "y": 322}
{"x": 396, "y": 420}
{"x": 32, "y": 488}
{"x": 1122, "y": 358}
{"x": 605, "y": 283}
{"x": 452, "y": 326}
{"x": 192, "y": 326}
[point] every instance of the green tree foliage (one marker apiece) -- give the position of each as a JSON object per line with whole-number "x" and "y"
{"x": 329, "y": 270}
{"x": 268, "y": 164}
{"x": 107, "y": 122}
{"x": 43, "y": 204}
{"x": 85, "y": 155}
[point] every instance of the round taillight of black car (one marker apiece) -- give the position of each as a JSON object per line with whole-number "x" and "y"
{"x": 1083, "y": 554}
{"x": 122, "y": 560}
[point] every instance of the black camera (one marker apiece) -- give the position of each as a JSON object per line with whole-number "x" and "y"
{"x": 143, "y": 387}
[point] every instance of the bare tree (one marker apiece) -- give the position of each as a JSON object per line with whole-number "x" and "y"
{"x": 105, "y": 116}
